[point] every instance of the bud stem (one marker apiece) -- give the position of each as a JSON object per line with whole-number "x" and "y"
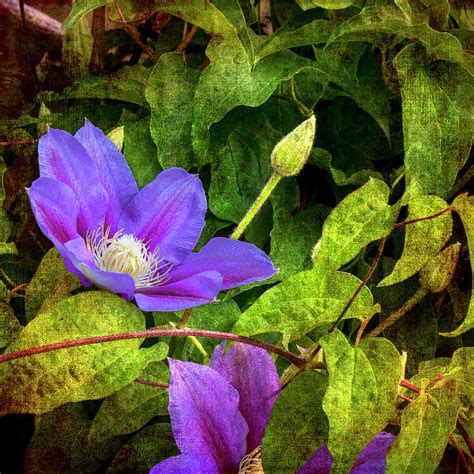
{"x": 256, "y": 206}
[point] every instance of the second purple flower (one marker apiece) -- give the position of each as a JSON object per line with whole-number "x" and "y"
{"x": 136, "y": 243}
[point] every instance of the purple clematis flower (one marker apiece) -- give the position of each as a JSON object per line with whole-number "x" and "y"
{"x": 219, "y": 414}
{"x": 134, "y": 243}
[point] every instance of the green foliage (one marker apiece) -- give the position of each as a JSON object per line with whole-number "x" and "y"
{"x": 425, "y": 426}
{"x": 304, "y": 301}
{"x": 43, "y": 382}
{"x": 214, "y": 87}
{"x": 363, "y": 384}
{"x": 437, "y": 119}
{"x": 423, "y": 240}
{"x": 296, "y": 430}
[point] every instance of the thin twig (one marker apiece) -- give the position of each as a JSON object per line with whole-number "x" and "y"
{"x": 133, "y": 33}
{"x": 407, "y": 384}
{"x": 18, "y": 142}
{"x": 403, "y": 397}
{"x": 55, "y": 346}
{"x": 151, "y": 384}
{"x": 444, "y": 211}
{"x": 187, "y": 39}
{"x": 360, "y": 331}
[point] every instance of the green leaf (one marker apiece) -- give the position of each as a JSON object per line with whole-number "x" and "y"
{"x": 136, "y": 403}
{"x": 304, "y": 301}
{"x": 139, "y": 149}
{"x": 423, "y": 240}
{"x": 363, "y": 386}
{"x": 315, "y": 32}
{"x": 40, "y": 383}
{"x": 437, "y": 119}
{"x": 464, "y": 206}
{"x": 425, "y": 426}
{"x": 80, "y": 8}
{"x": 293, "y": 238}
{"x": 148, "y": 447}
{"x": 329, "y": 4}
{"x": 126, "y": 85}
{"x": 437, "y": 274}
{"x": 387, "y": 18}
{"x": 9, "y": 325}
{"x": 77, "y": 47}
{"x": 50, "y": 284}
{"x": 461, "y": 371}
{"x": 60, "y": 443}
{"x": 235, "y": 81}
{"x": 241, "y": 163}
{"x": 297, "y": 426}
{"x": 170, "y": 93}
{"x": 362, "y": 217}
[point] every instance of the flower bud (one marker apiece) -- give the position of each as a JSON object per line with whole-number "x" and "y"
{"x": 116, "y": 136}
{"x": 291, "y": 153}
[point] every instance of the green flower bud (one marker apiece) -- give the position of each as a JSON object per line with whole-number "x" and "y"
{"x": 292, "y": 152}
{"x": 116, "y": 136}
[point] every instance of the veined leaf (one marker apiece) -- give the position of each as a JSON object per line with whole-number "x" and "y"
{"x": 425, "y": 426}
{"x": 42, "y": 382}
{"x": 464, "y": 206}
{"x": 304, "y": 301}
{"x": 296, "y": 430}
{"x": 438, "y": 119}
{"x": 362, "y": 217}
{"x": 423, "y": 240}
{"x": 360, "y": 399}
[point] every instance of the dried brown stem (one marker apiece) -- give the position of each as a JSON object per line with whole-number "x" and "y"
{"x": 148, "y": 51}
{"x": 187, "y": 39}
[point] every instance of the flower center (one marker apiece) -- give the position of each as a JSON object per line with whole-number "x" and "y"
{"x": 252, "y": 462}
{"x": 125, "y": 253}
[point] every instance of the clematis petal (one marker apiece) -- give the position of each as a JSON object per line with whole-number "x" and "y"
{"x": 319, "y": 463}
{"x": 186, "y": 464}
{"x": 56, "y": 208}
{"x": 63, "y": 158}
{"x": 193, "y": 291}
{"x": 205, "y": 416}
{"x": 239, "y": 263}
{"x": 80, "y": 257}
{"x": 114, "y": 172}
{"x": 251, "y": 371}
{"x": 168, "y": 212}
{"x": 372, "y": 459}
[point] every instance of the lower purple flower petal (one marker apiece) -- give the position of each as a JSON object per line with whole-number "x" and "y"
{"x": 186, "y": 464}
{"x": 80, "y": 257}
{"x": 239, "y": 263}
{"x": 372, "y": 459}
{"x": 205, "y": 416}
{"x": 319, "y": 463}
{"x": 252, "y": 372}
{"x": 193, "y": 291}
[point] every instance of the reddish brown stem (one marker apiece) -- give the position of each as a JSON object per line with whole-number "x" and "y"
{"x": 55, "y": 346}
{"x": 403, "y": 397}
{"x": 440, "y": 213}
{"x": 410, "y": 386}
{"x": 134, "y": 34}
{"x": 187, "y": 39}
{"x": 18, "y": 142}
{"x": 465, "y": 435}
{"x": 151, "y": 383}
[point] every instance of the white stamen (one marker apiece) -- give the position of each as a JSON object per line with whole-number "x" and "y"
{"x": 125, "y": 253}
{"x": 252, "y": 462}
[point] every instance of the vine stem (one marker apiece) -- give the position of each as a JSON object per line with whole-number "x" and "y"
{"x": 257, "y": 205}
{"x": 134, "y": 35}
{"x": 394, "y": 317}
{"x": 413, "y": 221}
{"x": 55, "y": 346}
